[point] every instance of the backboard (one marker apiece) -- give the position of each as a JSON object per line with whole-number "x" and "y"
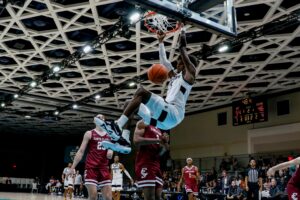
{"x": 217, "y": 16}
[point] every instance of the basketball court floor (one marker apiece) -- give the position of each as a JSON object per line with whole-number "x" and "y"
{"x": 27, "y": 196}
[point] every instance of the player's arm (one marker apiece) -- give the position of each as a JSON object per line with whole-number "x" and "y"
{"x": 180, "y": 181}
{"x": 164, "y": 143}
{"x": 138, "y": 137}
{"x": 63, "y": 175}
{"x": 197, "y": 175}
{"x": 246, "y": 182}
{"x": 163, "y": 56}
{"x": 190, "y": 70}
{"x": 126, "y": 173}
{"x": 86, "y": 138}
{"x": 284, "y": 165}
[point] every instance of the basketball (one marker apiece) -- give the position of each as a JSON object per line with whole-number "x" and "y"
{"x": 157, "y": 73}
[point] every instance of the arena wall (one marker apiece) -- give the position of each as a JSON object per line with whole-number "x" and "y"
{"x": 200, "y": 136}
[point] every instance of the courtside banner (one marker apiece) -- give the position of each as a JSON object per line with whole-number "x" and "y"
{"x": 70, "y": 152}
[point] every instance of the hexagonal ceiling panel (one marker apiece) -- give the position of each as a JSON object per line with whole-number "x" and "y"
{"x": 42, "y": 32}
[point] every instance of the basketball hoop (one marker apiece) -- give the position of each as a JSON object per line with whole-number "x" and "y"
{"x": 155, "y": 23}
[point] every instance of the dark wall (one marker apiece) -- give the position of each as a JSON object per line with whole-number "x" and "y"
{"x": 41, "y": 156}
{"x": 34, "y": 155}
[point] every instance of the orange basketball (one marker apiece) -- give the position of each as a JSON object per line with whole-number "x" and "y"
{"x": 157, "y": 73}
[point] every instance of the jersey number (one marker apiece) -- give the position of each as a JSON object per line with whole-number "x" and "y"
{"x": 100, "y": 147}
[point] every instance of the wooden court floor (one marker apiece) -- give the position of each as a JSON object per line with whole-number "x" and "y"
{"x": 29, "y": 196}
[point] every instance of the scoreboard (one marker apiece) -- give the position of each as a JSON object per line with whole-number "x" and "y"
{"x": 248, "y": 111}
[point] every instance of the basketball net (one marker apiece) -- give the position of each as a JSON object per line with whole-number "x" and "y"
{"x": 155, "y": 22}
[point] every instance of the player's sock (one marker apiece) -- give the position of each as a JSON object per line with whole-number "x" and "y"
{"x": 122, "y": 121}
{"x": 126, "y": 135}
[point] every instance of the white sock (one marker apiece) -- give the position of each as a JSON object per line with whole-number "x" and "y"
{"x": 126, "y": 134}
{"x": 122, "y": 120}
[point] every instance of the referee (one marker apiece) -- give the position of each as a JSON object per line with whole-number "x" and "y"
{"x": 253, "y": 181}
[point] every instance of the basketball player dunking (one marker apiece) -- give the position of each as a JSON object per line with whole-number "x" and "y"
{"x": 293, "y": 186}
{"x": 162, "y": 113}
{"x": 190, "y": 174}
{"x": 97, "y": 162}
{"x": 117, "y": 170}
{"x": 150, "y": 142}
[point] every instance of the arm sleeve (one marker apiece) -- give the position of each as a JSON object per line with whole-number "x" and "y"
{"x": 163, "y": 57}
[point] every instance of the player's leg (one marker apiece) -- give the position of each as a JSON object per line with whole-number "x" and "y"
{"x": 158, "y": 192}
{"x": 70, "y": 191}
{"x": 149, "y": 193}
{"x": 141, "y": 96}
{"x": 105, "y": 183}
{"x": 92, "y": 191}
{"x": 65, "y": 191}
{"x": 106, "y": 192}
{"x": 114, "y": 129}
{"x": 191, "y": 196}
{"x": 91, "y": 179}
{"x": 118, "y": 195}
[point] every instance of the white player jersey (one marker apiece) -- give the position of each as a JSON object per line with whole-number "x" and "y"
{"x": 66, "y": 172}
{"x": 116, "y": 171}
{"x": 178, "y": 92}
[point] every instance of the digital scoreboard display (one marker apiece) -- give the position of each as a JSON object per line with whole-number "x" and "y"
{"x": 248, "y": 111}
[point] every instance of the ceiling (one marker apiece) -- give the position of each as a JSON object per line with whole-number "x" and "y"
{"x": 43, "y": 32}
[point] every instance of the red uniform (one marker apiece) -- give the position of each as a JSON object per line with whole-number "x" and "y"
{"x": 293, "y": 187}
{"x": 96, "y": 164}
{"x": 147, "y": 163}
{"x": 189, "y": 175}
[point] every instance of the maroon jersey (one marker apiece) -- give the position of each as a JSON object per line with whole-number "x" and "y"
{"x": 295, "y": 180}
{"x": 149, "y": 154}
{"x": 293, "y": 186}
{"x": 97, "y": 155}
{"x": 189, "y": 175}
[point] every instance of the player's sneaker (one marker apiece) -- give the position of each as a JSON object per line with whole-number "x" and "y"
{"x": 110, "y": 127}
{"x": 121, "y": 146}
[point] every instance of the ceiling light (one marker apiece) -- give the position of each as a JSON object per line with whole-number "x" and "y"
{"x": 246, "y": 14}
{"x": 223, "y": 48}
{"x": 131, "y": 84}
{"x": 97, "y": 96}
{"x": 75, "y": 106}
{"x": 2, "y": 105}
{"x": 87, "y": 49}
{"x": 56, "y": 69}
{"x": 16, "y": 96}
{"x": 33, "y": 84}
{"x": 27, "y": 116}
{"x": 56, "y": 112}
{"x": 134, "y": 17}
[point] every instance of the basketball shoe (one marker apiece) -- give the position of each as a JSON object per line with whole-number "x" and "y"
{"x": 119, "y": 143}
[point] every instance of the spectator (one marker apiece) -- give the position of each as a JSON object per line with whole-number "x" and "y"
{"x": 58, "y": 187}
{"x": 274, "y": 190}
{"x": 234, "y": 191}
{"x": 8, "y": 181}
{"x": 225, "y": 183}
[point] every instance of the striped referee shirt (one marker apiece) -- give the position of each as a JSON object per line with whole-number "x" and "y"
{"x": 253, "y": 175}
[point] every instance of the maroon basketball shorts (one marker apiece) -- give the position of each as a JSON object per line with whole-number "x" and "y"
{"x": 98, "y": 177}
{"x": 148, "y": 176}
{"x": 191, "y": 188}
